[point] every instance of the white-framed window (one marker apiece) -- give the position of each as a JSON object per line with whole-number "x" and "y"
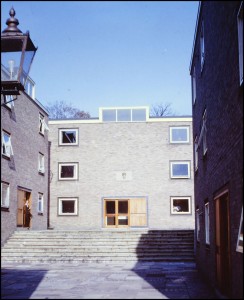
{"x": 40, "y": 203}
{"x": 198, "y": 224}
{"x": 41, "y": 163}
{"x": 202, "y": 46}
{"x": 193, "y": 85}
{"x": 5, "y": 194}
{"x": 180, "y": 169}
{"x": 196, "y": 153}
{"x": 239, "y": 246}
{"x": 7, "y": 149}
{"x": 42, "y": 124}
{"x": 68, "y": 137}
{"x": 207, "y": 223}
{"x": 180, "y": 205}
{"x": 240, "y": 41}
{"x": 68, "y": 171}
{"x": 179, "y": 134}
{"x": 9, "y": 101}
{"x": 124, "y": 114}
{"x": 67, "y": 206}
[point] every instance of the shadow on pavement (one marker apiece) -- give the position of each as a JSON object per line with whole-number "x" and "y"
{"x": 20, "y": 284}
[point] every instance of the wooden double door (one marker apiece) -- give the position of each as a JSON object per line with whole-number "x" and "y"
{"x": 119, "y": 213}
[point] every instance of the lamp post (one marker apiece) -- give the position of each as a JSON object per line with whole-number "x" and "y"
{"x": 17, "y": 53}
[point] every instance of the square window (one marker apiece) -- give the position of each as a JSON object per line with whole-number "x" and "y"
{"x": 68, "y": 137}
{"x": 40, "y": 203}
{"x": 7, "y": 149}
{"x": 68, "y": 171}
{"x": 41, "y": 165}
{"x": 179, "y": 135}
{"x": 180, "y": 169}
{"x": 67, "y": 206}
{"x": 4, "y": 194}
{"x": 180, "y": 205}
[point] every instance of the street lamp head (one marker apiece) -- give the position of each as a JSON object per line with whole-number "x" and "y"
{"x": 17, "y": 53}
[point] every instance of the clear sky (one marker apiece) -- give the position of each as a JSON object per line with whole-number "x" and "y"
{"x": 110, "y": 53}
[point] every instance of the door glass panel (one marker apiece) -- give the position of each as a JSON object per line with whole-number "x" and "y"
{"x": 110, "y": 220}
{"x": 123, "y": 207}
{"x": 110, "y": 207}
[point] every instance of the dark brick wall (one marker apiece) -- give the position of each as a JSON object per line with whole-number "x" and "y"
{"x": 22, "y": 123}
{"x": 219, "y": 91}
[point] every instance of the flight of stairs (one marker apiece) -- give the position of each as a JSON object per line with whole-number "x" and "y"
{"x": 99, "y": 246}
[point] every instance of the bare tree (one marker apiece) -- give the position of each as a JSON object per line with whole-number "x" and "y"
{"x": 160, "y": 110}
{"x": 63, "y": 110}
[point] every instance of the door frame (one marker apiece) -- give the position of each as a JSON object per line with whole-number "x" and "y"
{"x": 22, "y": 195}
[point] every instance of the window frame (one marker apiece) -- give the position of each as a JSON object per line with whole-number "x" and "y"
{"x": 75, "y": 199}
{"x": 240, "y": 41}
{"x": 204, "y": 128}
{"x": 198, "y": 226}
{"x": 185, "y": 162}
{"x": 239, "y": 248}
{"x": 41, "y": 163}
{"x": 207, "y": 223}
{"x": 132, "y": 113}
{"x": 60, "y": 143}
{"x": 40, "y": 200}
{"x": 173, "y": 212}
{"x": 196, "y": 147}
{"x": 7, "y": 194}
{"x": 9, "y": 102}
{"x": 179, "y": 127}
{"x": 9, "y": 144}
{"x": 76, "y": 173}
{"x": 194, "y": 86}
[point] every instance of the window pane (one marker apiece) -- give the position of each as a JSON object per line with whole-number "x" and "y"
{"x": 123, "y": 207}
{"x": 181, "y": 205}
{"x": 110, "y": 220}
{"x": 110, "y": 207}
{"x": 67, "y": 171}
{"x": 69, "y": 137}
{"x": 180, "y": 169}
{"x": 124, "y": 115}
{"x": 109, "y": 115}
{"x": 122, "y": 220}
{"x": 5, "y": 195}
{"x": 68, "y": 206}
{"x": 138, "y": 114}
{"x": 179, "y": 134}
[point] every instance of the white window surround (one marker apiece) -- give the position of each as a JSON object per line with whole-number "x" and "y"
{"x": 67, "y": 209}
{"x": 207, "y": 223}
{"x": 239, "y": 246}
{"x": 61, "y": 170}
{"x": 70, "y": 135}
{"x": 5, "y": 194}
{"x": 240, "y": 41}
{"x": 176, "y": 172}
{"x": 198, "y": 224}
{"x": 42, "y": 124}
{"x": 7, "y": 149}
{"x": 178, "y": 140}
{"x": 40, "y": 203}
{"x": 41, "y": 163}
{"x": 180, "y": 205}
{"x": 202, "y": 46}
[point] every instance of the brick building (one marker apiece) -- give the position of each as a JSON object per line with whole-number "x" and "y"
{"x": 24, "y": 162}
{"x": 217, "y": 96}
{"x": 121, "y": 170}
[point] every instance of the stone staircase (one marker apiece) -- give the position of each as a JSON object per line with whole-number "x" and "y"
{"x": 99, "y": 246}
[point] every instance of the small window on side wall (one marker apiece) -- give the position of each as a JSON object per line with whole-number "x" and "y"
{"x": 40, "y": 203}
{"x": 202, "y": 46}
{"x": 198, "y": 224}
{"x": 68, "y": 206}
{"x": 9, "y": 101}
{"x": 180, "y": 205}
{"x": 41, "y": 165}
{"x": 207, "y": 223}
{"x": 179, "y": 135}
{"x": 7, "y": 149}
{"x": 4, "y": 194}
{"x": 239, "y": 246}
{"x": 179, "y": 169}
{"x": 68, "y": 171}
{"x": 68, "y": 137}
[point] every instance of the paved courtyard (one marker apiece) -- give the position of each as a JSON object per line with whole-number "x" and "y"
{"x": 103, "y": 281}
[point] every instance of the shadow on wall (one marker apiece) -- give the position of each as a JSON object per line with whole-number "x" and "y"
{"x": 20, "y": 284}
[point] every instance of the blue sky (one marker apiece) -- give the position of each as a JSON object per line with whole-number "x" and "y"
{"x": 110, "y": 53}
